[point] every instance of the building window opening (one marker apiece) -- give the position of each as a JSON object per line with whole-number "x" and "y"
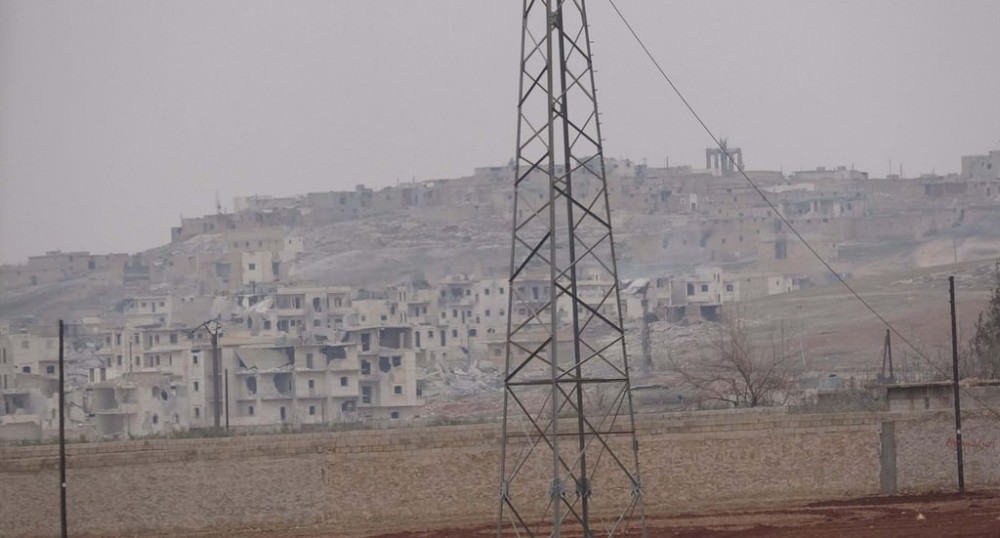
{"x": 394, "y": 415}
{"x": 283, "y": 383}
{"x": 780, "y": 250}
{"x": 398, "y": 389}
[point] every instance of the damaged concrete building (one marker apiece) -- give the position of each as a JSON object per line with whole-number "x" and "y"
{"x": 137, "y": 404}
{"x": 29, "y": 384}
{"x": 692, "y": 240}
{"x": 366, "y": 376}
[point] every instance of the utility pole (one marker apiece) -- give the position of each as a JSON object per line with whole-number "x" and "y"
{"x": 226, "y": 391}
{"x": 62, "y": 431}
{"x": 567, "y": 392}
{"x": 647, "y": 355}
{"x": 214, "y": 328}
{"x": 958, "y": 405}
{"x": 887, "y": 359}
{"x": 217, "y": 392}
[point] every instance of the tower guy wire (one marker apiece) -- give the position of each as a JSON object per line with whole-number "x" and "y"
{"x": 837, "y": 276}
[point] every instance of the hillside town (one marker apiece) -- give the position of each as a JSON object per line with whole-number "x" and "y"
{"x": 363, "y": 305}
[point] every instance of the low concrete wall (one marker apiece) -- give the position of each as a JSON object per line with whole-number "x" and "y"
{"x": 16, "y": 431}
{"x": 926, "y": 455}
{"x": 426, "y": 478}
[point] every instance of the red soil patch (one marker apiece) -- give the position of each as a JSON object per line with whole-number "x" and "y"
{"x": 923, "y": 516}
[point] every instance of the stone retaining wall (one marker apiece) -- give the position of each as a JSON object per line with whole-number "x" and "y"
{"x": 423, "y": 478}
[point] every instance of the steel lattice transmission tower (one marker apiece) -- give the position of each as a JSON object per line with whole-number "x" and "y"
{"x": 570, "y": 460}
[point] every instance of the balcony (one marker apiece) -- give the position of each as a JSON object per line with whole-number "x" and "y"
{"x": 343, "y": 365}
{"x": 122, "y": 409}
{"x": 350, "y": 391}
{"x": 273, "y": 397}
{"x": 451, "y": 300}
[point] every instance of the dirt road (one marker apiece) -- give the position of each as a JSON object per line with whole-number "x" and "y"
{"x": 926, "y": 516}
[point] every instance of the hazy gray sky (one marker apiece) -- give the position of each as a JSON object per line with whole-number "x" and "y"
{"x": 118, "y": 116}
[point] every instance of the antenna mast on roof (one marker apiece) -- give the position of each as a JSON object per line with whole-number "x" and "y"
{"x": 570, "y": 459}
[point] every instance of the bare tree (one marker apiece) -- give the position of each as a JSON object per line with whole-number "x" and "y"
{"x": 984, "y": 347}
{"x": 743, "y": 365}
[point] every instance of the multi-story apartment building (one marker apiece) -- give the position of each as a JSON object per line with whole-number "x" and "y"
{"x": 138, "y": 403}
{"x": 389, "y": 386}
{"x": 316, "y": 355}
{"x": 29, "y": 382}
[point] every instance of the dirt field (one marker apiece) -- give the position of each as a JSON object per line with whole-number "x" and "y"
{"x": 942, "y": 515}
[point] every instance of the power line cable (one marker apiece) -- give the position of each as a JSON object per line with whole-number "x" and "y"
{"x": 777, "y": 212}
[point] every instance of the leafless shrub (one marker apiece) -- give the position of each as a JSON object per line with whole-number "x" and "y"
{"x": 743, "y": 364}
{"x": 984, "y": 347}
